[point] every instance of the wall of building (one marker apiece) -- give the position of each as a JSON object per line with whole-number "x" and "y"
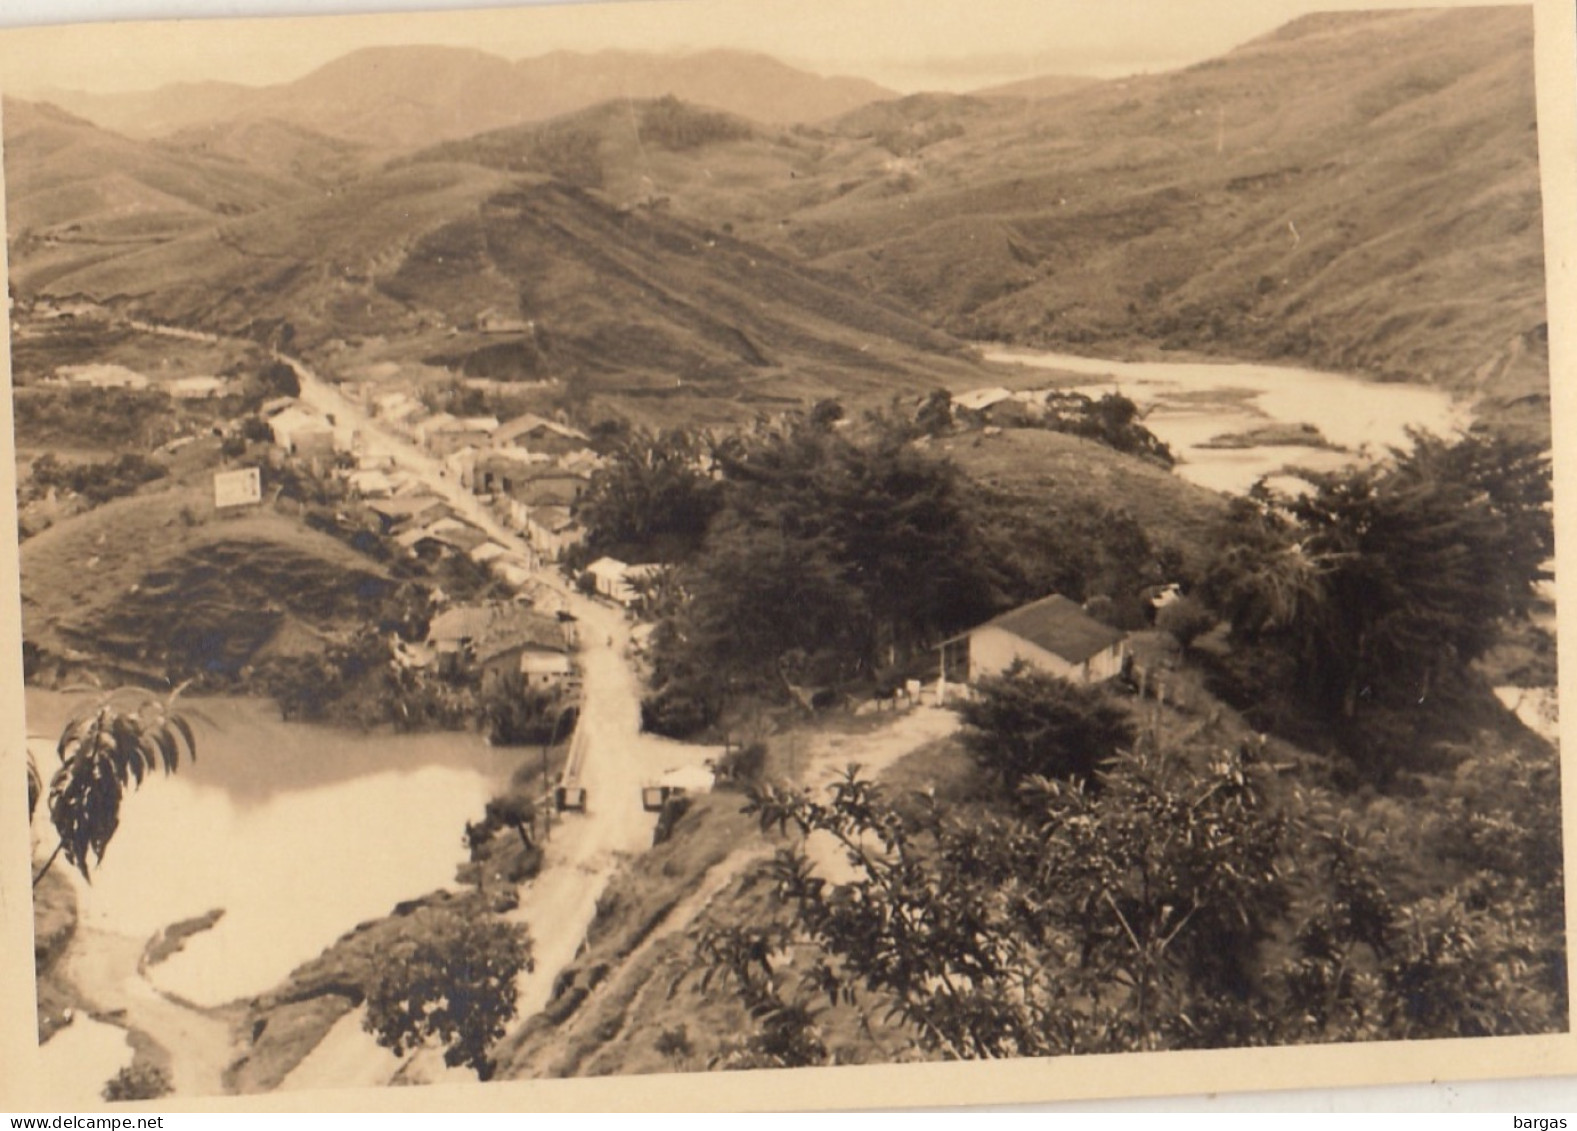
{"x": 993, "y": 650}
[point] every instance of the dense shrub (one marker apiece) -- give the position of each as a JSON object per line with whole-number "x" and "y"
{"x": 513, "y": 714}
{"x": 139, "y": 1081}
{"x": 1026, "y": 723}
{"x": 96, "y": 482}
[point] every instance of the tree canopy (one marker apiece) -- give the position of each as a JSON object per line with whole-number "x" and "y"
{"x": 448, "y": 978}
{"x": 1027, "y": 723}
{"x": 1384, "y": 582}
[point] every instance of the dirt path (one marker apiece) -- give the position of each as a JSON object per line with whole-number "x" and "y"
{"x": 823, "y": 759}
{"x": 828, "y": 755}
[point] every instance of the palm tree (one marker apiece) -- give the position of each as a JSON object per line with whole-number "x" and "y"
{"x": 115, "y": 742}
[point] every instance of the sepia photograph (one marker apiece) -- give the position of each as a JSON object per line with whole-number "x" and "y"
{"x": 783, "y": 552}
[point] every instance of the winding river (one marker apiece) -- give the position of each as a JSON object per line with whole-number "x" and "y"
{"x": 1188, "y": 404}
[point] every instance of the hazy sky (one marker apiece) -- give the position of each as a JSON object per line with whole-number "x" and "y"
{"x": 905, "y": 44}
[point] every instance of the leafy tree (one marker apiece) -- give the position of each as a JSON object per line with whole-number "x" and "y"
{"x": 1103, "y": 921}
{"x": 448, "y": 978}
{"x": 113, "y": 744}
{"x": 515, "y": 714}
{"x": 35, "y": 786}
{"x": 655, "y": 489}
{"x": 882, "y": 522}
{"x": 826, "y": 413}
{"x": 1385, "y": 582}
{"x": 935, "y": 417}
{"x": 508, "y": 811}
{"x": 1080, "y": 548}
{"x": 1113, "y": 420}
{"x": 1189, "y": 902}
{"x": 1028, "y": 723}
{"x": 1186, "y": 618}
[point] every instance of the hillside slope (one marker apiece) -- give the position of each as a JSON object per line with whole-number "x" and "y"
{"x": 77, "y": 194}
{"x": 527, "y": 278}
{"x": 1356, "y": 191}
{"x": 154, "y": 584}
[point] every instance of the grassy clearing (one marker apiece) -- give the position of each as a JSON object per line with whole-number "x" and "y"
{"x": 1036, "y": 469}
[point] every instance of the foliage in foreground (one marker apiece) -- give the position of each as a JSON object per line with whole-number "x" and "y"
{"x": 448, "y": 979}
{"x": 104, "y": 750}
{"x": 1194, "y": 901}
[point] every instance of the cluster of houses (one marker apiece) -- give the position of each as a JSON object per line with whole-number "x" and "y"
{"x": 503, "y": 639}
{"x": 531, "y": 469}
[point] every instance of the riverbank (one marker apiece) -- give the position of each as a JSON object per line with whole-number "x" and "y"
{"x": 1230, "y": 423}
{"x": 98, "y": 1015}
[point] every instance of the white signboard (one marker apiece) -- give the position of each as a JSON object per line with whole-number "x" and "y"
{"x": 238, "y": 488}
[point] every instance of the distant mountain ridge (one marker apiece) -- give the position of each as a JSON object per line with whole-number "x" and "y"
{"x": 1356, "y": 192}
{"x": 399, "y": 97}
